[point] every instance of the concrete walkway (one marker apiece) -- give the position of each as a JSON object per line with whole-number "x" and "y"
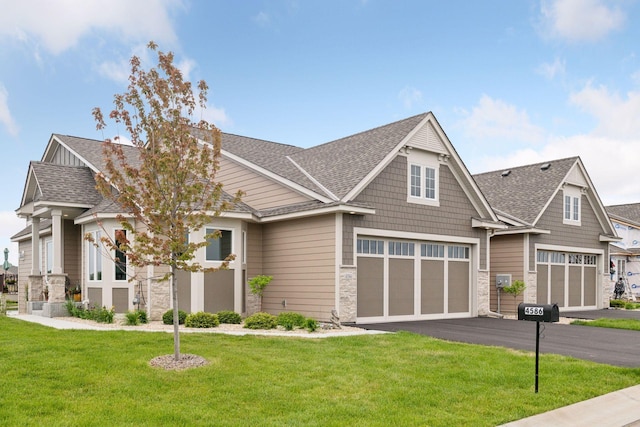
{"x": 618, "y": 409}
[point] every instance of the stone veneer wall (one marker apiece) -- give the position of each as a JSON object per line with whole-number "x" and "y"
{"x": 531, "y": 289}
{"x": 483, "y": 293}
{"x": 253, "y": 303}
{"x": 56, "y": 282}
{"x": 347, "y": 310}
{"x": 159, "y": 298}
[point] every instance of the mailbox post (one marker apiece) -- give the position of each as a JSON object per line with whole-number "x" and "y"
{"x": 538, "y": 313}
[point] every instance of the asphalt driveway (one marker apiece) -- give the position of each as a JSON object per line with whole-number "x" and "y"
{"x": 612, "y": 346}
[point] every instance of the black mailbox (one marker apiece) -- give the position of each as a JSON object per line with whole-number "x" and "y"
{"x": 539, "y": 312}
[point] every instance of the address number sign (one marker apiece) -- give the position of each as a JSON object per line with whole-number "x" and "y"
{"x": 534, "y": 311}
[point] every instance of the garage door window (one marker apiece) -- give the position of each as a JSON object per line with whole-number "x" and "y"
{"x": 431, "y": 250}
{"x": 401, "y": 248}
{"x": 459, "y": 252}
{"x": 368, "y": 246}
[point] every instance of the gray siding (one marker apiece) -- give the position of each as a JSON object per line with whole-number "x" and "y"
{"x": 388, "y": 194}
{"x": 72, "y": 252}
{"x": 586, "y": 235}
{"x": 507, "y": 257}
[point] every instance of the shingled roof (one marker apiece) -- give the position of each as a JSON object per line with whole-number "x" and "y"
{"x": 90, "y": 150}
{"x": 271, "y": 156}
{"x": 65, "y": 184}
{"x": 342, "y": 164}
{"x": 523, "y": 192}
{"x": 627, "y": 213}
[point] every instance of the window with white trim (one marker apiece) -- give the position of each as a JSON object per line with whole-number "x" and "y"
{"x": 95, "y": 258}
{"x": 423, "y": 183}
{"x": 220, "y": 247}
{"x": 571, "y": 206}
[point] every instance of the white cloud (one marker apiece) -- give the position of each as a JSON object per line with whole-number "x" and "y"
{"x": 495, "y": 121}
{"x": 410, "y": 96}
{"x": 550, "y": 71}
{"x": 10, "y": 224}
{"x": 58, "y": 26}
{"x": 6, "y": 118}
{"x": 263, "y": 19}
{"x": 213, "y": 115}
{"x": 615, "y": 116}
{"x": 117, "y": 71}
{"x": 580, "y": 20}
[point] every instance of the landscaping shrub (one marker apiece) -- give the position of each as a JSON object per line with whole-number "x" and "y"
{"x": 201, "y": 319}
{"x": 100, "y": 315}
{"x": 261, "y": 321}
{"x": 134, "y": 318}
{"x": 290, "y": 320}
{"x": 131, "y": 318}
{"x": 167, "y": 317}
{"x": 310, "y": 324}
{"x": 616, "y": 303}
{"x": 228, "y": 316}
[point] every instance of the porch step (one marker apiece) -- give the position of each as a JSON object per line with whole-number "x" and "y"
{"x": 36, "y": 312}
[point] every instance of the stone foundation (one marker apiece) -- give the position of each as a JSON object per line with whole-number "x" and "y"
{"x": 483, "y": 292}
{"x": 531, "y": 290}
{"x": 347, "y": 310}
{"x": 253, "y": 304}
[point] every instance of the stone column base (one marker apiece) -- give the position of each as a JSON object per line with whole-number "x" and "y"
{"x": 348, "y": 294}
{"x": 54, "y": 309}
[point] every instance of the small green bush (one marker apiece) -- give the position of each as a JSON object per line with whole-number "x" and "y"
{"x": 228, "y": 316}
{"x": 290, "y": 320}
{"x": 131, "y": 318}
{"x": 260, "y": 321}
{"x": 167, "y": 317}
{"x": 134, "y": 318}
{"x": 201, "y": 319}
{"x": 142, "y": 315}
{"x": 311, "y": 325}
{"x": 616, "y": 303}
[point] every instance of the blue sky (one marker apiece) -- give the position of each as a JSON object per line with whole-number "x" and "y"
{"x": 511, "y": 82}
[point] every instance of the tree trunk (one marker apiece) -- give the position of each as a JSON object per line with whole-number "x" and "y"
{"x": 176, "y": 317}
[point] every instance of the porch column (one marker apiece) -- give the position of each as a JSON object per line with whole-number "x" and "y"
{"x": 35, "y": 246}
{"x": 56, "y": 220}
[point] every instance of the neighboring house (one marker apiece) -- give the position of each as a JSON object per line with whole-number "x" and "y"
{"x": 384, "y": 225}
{"x": 558, "y": 236}
{"x": 625, "y": 254}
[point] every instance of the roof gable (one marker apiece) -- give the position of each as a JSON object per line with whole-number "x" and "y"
{"x": 522, "y": 194}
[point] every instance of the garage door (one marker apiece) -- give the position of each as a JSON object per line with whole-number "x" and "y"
{"x": 407, "y": 280}
{"x": 567, "y": 279}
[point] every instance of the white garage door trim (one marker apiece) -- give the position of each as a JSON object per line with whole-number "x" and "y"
{"x": 417, "y": 239}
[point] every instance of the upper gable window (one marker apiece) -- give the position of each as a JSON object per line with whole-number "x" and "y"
{"x": 423, "y": 179}
{"x": 571, "y": 206}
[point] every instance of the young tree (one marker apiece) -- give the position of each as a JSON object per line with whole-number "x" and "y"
{"x": 169, "y": 188}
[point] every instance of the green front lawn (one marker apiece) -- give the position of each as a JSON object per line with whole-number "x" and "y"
{"x": 631, "y": 324}
{"x": 66, "y": 378}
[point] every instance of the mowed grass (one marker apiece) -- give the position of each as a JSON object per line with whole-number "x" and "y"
{"x": 71, "y": 378}
{"x": 630, "y": 324}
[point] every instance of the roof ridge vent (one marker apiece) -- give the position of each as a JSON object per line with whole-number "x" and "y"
{"x": 545, "y": 166}
{"x": 506, "y": 173}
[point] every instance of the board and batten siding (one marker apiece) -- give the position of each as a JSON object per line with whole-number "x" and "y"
{"x": 507, "y": 257}
{"x": 300, "y": 255}
{"x": 260, "y": 192}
